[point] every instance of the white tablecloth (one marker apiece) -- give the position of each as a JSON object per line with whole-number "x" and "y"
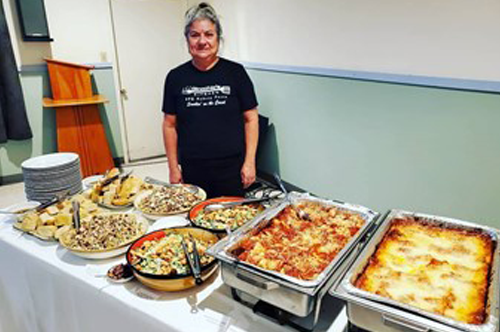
{"x": 43, "y": 287}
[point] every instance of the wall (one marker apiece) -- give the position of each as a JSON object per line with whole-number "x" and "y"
{"x": 25, "y": 53}
{"x": 35, "y": 85}
{"x": 81, "y": 30}
{"x": 381, "y": 145}
{"x": 385, "y": 145}
{"x": 458, "y": 39}
{"x": 82, "y": 33}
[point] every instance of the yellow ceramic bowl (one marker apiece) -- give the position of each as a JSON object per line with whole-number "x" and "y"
{"x": 176, "y": 282}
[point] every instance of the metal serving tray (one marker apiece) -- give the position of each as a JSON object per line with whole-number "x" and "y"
{"x": 288, "y": 293}
{"x": 386, "y": 312}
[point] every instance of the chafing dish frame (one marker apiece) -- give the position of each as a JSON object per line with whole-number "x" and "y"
{"x": 362, "y": 304}
{"x": 290, "y": 294}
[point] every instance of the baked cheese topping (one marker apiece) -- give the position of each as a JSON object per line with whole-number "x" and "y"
{"x": 301, "y": 248}
{"x": 441, "y": 270}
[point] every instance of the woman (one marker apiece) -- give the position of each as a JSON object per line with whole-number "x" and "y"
{"x": 210, "y": 125}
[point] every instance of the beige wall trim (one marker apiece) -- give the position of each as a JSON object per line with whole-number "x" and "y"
{"x": 428, "y": 81}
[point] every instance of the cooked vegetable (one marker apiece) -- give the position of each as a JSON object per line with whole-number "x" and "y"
{"x": 166, "y": 256}
{"x": 103, "y": 232}
{"x": 169, "y": 200}
{"x": 233, "y": 217}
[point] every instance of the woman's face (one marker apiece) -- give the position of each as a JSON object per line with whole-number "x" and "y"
{"x": 202, "y": 40}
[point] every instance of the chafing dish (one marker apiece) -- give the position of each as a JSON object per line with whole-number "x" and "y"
{"x": 295, "y": 296}
{"x": 376, "y": 313}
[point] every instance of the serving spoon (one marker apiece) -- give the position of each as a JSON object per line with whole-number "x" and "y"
{"x": 302, "y": 214}
{"x": 223, "y": 205}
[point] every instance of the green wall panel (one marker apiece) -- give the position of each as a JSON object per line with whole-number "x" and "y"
{"x": 384, "y": 145}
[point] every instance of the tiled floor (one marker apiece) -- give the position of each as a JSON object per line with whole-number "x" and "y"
{"x": 158, "y": 169}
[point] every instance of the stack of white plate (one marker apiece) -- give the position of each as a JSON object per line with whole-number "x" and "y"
{"x": 51, "y": 174}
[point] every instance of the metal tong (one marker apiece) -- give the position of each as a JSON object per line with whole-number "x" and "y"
{"x": 194, "y": 262}
{"x": 302, "y": 214}
{"x": 191, "y": 188}
{"x": 222, "y": 205}
{"x": 76, "y": 214}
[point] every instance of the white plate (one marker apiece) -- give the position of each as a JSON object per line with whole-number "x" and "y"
{"x": 89, "y": 182}
{"x": 154, "y": 217}
{"x": 122, "y": 280}
{"x": 116, "y": 207}
{"x": 104, "y": 254}
{"x": 169, "y": 222}
{"x": 21, "y": 206}
{"x": 18, "y": 207}
{"x": 50, "y": 160}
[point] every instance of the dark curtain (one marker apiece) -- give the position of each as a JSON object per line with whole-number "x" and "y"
{"x": 13, "y": 119}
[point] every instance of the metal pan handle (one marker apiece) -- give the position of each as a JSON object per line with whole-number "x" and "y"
{"x": 267, "y": 285}
{"x": 402, "y": 325}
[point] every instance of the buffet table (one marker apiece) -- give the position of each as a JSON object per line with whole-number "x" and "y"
{"x": 43, "y": 287}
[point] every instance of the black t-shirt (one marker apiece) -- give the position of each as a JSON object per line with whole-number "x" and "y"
{"x": 209, "y": 106}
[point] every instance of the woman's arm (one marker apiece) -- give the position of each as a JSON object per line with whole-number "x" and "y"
{"x": 248, "y": 172}
{"x": 170, "y": 140}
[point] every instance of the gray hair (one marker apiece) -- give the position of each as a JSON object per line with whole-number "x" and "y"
{"x": 202, "y": 11}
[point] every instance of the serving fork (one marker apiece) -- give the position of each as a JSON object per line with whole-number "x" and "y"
{"x": 301, "y": 213}
{"x": 222, "y": 205}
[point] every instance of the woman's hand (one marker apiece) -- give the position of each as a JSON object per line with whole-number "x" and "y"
{"x": 175, "y": 175}
{"x": 247, "y": 174}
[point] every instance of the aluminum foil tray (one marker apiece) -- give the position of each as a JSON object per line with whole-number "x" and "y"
{"x": 492, "y": 320}
{"x": 223, "y": 249}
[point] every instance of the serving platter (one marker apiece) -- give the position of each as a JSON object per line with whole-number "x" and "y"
{"x": 107, "y": 253}
{"x": 383, "y": 311}
{"x": 199, "y": 208}
{"x": 202, "y": 195}
{"x": 285, "y": 292}
{"x": 31, "y": 233}
{"x": 116, "y": 207}
{"x": 115, "y": 190}
{"x": 15, "y": 218}
{"x": 61, "y": 217}
{"x": 15, "y": 208}
{"x": 89, "y": 181}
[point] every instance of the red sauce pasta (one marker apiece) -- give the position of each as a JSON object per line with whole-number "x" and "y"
{"x": 301, "y": 248}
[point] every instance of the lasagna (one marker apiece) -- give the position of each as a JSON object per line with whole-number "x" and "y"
{"x": 300, "y": 247}
{"x": 440, "y": 270}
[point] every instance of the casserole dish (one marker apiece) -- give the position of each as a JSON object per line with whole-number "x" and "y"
{"x": 384, "y": 311}
{"x": 289, "y": 293}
